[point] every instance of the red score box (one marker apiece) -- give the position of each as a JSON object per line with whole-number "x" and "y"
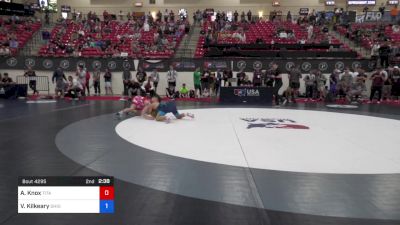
{"x": 106, "y": 193}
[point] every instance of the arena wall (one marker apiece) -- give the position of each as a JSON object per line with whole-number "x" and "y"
{"x": 183, "y": 77}
{"x": 256, "y": 6}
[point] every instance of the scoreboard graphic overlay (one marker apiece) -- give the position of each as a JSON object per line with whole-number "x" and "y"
{"x": 66, "y": 194}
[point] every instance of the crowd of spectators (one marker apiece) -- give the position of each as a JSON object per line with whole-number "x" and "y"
{"x": 309, "y": 29}
{"x": 138, "y": 36}
{"x": 15, "y": 31}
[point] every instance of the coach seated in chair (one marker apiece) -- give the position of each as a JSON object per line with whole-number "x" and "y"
{"x": 6, "y": 81}
{"x": 357, "y": 91}
{"x": 148, "y": 87}
{"x": 133, "y": 88}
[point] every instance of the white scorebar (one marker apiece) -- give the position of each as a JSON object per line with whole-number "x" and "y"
{"x": 53, "y": 199}
{"x": 65, "y": 194}
{"x": 58, "y": 206}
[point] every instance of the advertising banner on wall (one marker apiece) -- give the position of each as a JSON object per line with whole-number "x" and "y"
{"x": 67, "y": 64}
{"x": 247, "y": 65}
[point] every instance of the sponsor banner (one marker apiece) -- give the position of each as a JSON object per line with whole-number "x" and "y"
{"x": 119, "y": 64}
{"x": 185, "y": 64}
{"x": 67, "y": 64}
{"x": 325, "y": 65}
{"x": 246, "y": 95}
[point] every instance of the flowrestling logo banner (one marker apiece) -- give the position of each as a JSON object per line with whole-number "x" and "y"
{"x": 273, "y": 123}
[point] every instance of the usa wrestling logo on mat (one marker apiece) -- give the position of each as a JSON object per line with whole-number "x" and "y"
{"x": 273, "y": 123}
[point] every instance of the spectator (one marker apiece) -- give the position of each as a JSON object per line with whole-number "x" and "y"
{"x": 310, "y": 32}
{"x": 171, "y": 77}
{"x": 247, "y": 81}
{"x": 309, "y": 81}
{"x": 107, "y": 82}
{"x": 384, "y": 52}
{"x": 59, "y": 78}
{"x": 277, "y": 76}
{"x": 46, "y": 36}
{"x": 13, "y": 44}
{"x": 240, "y": 77}
{"x": 6, "y": 80}
{"x": 289, "y": 17}
{"x": 356, "y": 91}
{"x": 121, "y": 15}
{"x": 184, "y": 91}
{"x": 4, "y": 50}
{"x": 218, "y": 82}
{"x": 126, "y": 77}
{"x": 81, "y": 75}
{"x": 74, "y": 88}
{"x": 96, "y": 81}
{"x": 243, "y": 17}
{"x": 377, "y": 85}
{"x": 228, "y": 75}
{"x": 382, "y": 10}
{"x": 205, "y": 85}
{"x": 294, "y": 82}
{"x": 249, "y": 14}
{"x": 148, "y": 86}
{"x": 134, "y": 89}
{"x": 170, "y": 92}
{"x": 197, "y": 82}
{"x": 320, "y": 81}
{"x": 387, "y": 84}
{"x": 393, "y": 13}
{"x": 155, "y": 76}
{"x": 333, "y": 82}
{"x": 141, "y": 76}
{"x": 375, "y": 51}
{"x": 395, "y": 81}
{"x": 346, "y": 80}
{"x": 235, "y": 16}
{"x": 87, "y": 83}
{"x": 31, "y": 75}
{"x": 257, "y": 78}
{"x": 211, "y": 83}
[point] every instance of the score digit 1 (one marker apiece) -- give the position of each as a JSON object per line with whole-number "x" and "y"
{"x": 106, "y": 199}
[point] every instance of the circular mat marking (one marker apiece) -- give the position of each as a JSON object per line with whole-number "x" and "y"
{"x": 275, "y": 139}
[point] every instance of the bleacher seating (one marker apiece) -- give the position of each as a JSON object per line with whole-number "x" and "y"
{"x": 22, "y": 30}
{"x": 266, "y": 31}
{"x": 370, "y": 32}
{"x": 117, "y": 30}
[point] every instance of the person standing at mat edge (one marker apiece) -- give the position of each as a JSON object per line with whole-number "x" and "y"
{"x": 96, "y": 81}
{"x": 294, "y": 84}
{"x": 59, "y": 78}
{"x": 378, "y": 79}
{"x": 171, "y": 77}
{"x": 197, "y": 82}
{"x": 155, "y": 76}
{"x": 107, "y": 80}
{"x": 126, "y": 77}
{"x": 277, "y": 76}
{"x": 31, "y": 75}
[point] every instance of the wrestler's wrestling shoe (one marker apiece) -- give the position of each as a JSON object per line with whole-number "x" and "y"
{"x": 191, "y": 115}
